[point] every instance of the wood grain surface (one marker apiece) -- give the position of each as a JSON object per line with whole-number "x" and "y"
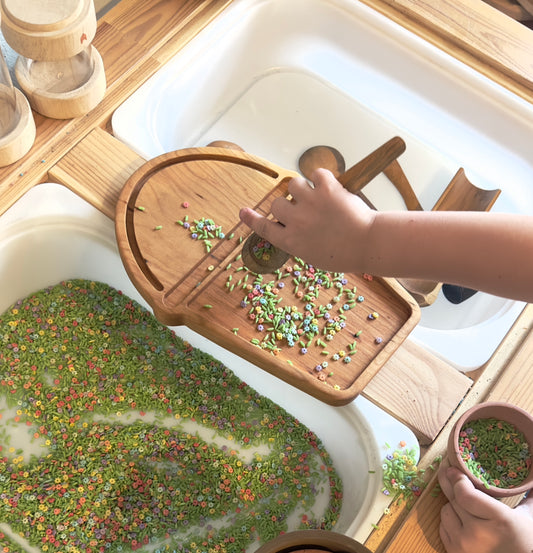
{"x": 186, "y": 282}
{"x": 136, "y": 38}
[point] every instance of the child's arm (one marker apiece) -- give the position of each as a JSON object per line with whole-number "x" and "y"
{"x": 333, "y": 229}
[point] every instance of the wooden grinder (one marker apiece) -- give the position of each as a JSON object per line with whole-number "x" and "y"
{"x": 59, "y": 70}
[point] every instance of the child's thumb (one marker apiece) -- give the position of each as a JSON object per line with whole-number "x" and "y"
{"x": 472, "y": 500}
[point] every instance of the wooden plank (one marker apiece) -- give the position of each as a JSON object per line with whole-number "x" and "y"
{"x": 473, "y": 32}
{"x": 97, "y": 169}
{"x": 516, "y": 382}
{"x": 419, "y": 389}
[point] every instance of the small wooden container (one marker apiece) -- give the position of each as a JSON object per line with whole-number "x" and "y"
{"x": 310, "y": 541}
{"x": 59, "y": 70}
{"x": 48, "y": 30}
{"x": 63, "y": 89}
{"x": 516, "y": 416}
{"x": 18, "y": 141}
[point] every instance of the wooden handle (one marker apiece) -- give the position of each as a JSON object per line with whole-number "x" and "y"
{"x": 372, "y": 165}
{"x": 395, "y": 174}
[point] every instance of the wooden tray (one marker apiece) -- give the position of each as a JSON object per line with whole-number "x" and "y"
{"x": 201, "y": 283}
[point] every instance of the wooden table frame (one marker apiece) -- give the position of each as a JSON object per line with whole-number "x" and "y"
{"x": 136, "y": 38}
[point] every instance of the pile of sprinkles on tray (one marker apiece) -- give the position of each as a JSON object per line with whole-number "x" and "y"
{"x": 299, "y": 307}
{"x": 302, "y": 326}
{"x": 116, "y": 435}
{"x": 311, "y": 316}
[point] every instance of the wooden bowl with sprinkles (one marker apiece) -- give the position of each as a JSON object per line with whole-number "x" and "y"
{"x": 313, "y": 541}
{"x": 492, "y": 443}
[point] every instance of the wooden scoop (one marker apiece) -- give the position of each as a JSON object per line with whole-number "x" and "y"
{"x": 353, "y": 180}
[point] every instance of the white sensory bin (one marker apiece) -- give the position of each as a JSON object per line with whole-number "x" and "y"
{"x": 51, "y": 235}
{"x": 277, "y": 77}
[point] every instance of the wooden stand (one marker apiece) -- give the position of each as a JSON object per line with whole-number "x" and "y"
{"x": 54, "y": 95}
{"x": 20, "y": 139}
{"x": 59, "y": 70}
{"x": 48, "y": 30}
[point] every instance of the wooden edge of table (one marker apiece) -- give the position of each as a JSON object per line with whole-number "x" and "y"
{"x": 473, "y": 32}
{"x": 507, "y": 376}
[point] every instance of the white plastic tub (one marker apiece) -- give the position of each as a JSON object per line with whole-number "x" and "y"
{"x": 277, "y": 77}
{"x": 51, "y": 235}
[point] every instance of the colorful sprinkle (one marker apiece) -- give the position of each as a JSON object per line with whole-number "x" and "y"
{"x": 496, "y": 452}
{"x": 135, "y": 439}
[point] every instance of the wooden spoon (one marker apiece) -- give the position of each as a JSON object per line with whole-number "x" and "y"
{"x": 321, "y": 156}
{"x": 395, "y": 174}
{"x": 353, "y": 180}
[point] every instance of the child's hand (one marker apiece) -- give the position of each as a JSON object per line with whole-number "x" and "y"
{"x": 472, "y": 521}
{"x": 325, "y": 225}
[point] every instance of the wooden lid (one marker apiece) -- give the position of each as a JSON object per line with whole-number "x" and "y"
{"x": 52, "y": 30}
{"x": 35, "y": 15}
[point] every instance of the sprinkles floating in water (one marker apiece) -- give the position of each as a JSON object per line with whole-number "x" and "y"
{"x": 117, "y": 435}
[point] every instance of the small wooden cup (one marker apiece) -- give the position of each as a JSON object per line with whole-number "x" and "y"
{"x": 52, "y": 99}
{"x": 311, "y": 541}
{"x": 516, "y": 416}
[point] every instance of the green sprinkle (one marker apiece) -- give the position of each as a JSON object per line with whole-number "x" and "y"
{"x": 495, "y": 451}
{"x": 138, "y": 430}
{"x": 158, "y": 227}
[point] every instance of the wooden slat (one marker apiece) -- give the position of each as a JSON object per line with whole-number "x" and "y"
{"x": 473, "y": 32}
{"x": 419, "y": 389}
{"x": 97, "y": 169}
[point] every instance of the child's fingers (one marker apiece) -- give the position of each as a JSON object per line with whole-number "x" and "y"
{"x": 269, "y": 230}
{"x": 450, "y": 519}
{"x": 298, "y": 186}
{"x": 465, "y": 498}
